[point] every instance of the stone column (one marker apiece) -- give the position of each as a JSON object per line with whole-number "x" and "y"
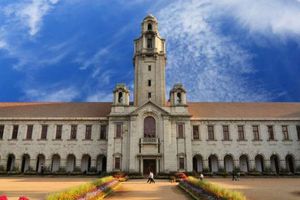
{"x": 252, "y": 165}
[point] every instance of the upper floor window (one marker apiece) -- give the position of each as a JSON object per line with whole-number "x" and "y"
{"x": 1, "y": 131}
{"x": 149, "y": 95}
{"x": 149, "y": 43}
{"x": 149, "y": 127}
{"x": 180, "y": 130}
{"x": 211, "y": 135}
{"x": 298, "y": 131}
{"x": 181, "y": 163}
{"x": 271, "y": 133}
{"x": 103, "y": 129}
{"x": 196, "y": 135}
{"x": 255, "y": 133}
{"x": 118, "y": 130}
{"x": 44, "y": 132}
{"x": 178, "y": 97}
{"x": 285, "y": 132}
{"x": 58, "y": 132}
{"x": 120, "y": 97}
{"x": 29, "y": 132}
{"x": 149, "y": 27}
{"x": 73, "y": 132}
{"x": 88, "y": 132}
{"x": 241, "y": 133}
{"x": 149, "y": 83}
{"x": 149, "y": 68}
{"x": 225, "y": 133}
{"x": 15, "y": 132}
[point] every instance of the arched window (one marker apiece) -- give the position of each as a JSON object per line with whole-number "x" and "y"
{"x": 149, "y": 43}
{"x": 149, "y": 27}
{"x": 149, "y": 127}
{"x": 120, "y": 97}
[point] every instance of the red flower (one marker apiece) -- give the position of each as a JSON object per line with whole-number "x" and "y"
{"x": 23, "y": 198}
{"x": 3, "y": 197}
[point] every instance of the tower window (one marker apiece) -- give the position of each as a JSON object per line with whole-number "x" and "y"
{"x": 120, "y": 97}
{"x": 149, "y": 95}
{"x": 149, "y": 27}
{"x": 149, "y": 68}
{"x": 179, "y": 100}
{"x": 149, "y": 43}
{"x": 149, "y": 83}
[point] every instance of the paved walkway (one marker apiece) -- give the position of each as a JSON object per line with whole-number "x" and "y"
{"x": 140, "y": 190}
{"x": 263, "y": 188}
{"x": 36, "y": 188}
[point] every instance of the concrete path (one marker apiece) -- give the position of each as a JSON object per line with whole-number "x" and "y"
{"x": 140, "y": 190}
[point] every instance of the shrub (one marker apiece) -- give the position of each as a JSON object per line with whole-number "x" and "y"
{"x": 98, "y": 189}
{"x": 210, "y": 189}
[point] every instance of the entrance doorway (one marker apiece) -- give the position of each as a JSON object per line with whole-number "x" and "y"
{"x": 149, "y": 165}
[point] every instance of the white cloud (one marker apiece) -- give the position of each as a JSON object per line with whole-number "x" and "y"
{"x": 30, "y": 13}
{"x": 211, "y": 66}
{"x": 279, "y": 17}
{"x": 100, "y": 97}
{"x": 51, "y": 95}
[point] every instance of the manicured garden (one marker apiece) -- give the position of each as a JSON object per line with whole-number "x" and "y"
{"x": 201, "y": 189}
{"x": 97, "y": 189}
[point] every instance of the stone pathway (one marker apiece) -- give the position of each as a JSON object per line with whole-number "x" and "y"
{"x": 140, "y": 190}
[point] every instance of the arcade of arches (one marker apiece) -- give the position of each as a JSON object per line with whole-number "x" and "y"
{"x": 244, "y": 164}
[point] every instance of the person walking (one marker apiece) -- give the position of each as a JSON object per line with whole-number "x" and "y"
{"x": 151, "y": 176}
{"x": 201, "y": 177}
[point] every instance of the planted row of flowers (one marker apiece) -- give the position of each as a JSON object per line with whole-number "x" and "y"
{"x": 90, "y": 191}
{"x": 201, "y": 189}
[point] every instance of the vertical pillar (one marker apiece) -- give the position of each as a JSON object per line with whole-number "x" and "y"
{"x": 252, "y": 165}
{"x": 236, "y": 164}
{"x": 205, "y": 164}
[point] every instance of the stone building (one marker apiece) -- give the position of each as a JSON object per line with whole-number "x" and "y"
{"x": 150, "y": 133}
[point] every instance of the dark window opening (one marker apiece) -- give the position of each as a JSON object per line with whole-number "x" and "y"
{"x": 103, "y": 132}
{"x": 226, "y": 133}
{"x": 298, "y": 132}
{"x": 118, "y": 130}
{"x": 149, "y": 68}
{"x": 149, "y": 95}
{"x": 117, "y": 163}
{"x": 73, "y": 132}
{"x": 149, "y": 27}
{"x": 120, "y": 97}
{"x": 241, "y": 132}
{"x": 1, "y": 131}
{"x": 149, "y": 83}
{"x": 29, "y": 132}
{"x": 285, "y": 132}
{"x": 58, "y": 132}
{"x": 149, "y": 44}
{"x": 88, "y": 132}
{"x": 196, "y": 133}
{"x": 15, "y": 132}
{"x": 271, "y": 133}
{"x": 179, "y": 99}
{"x": 149, "y": 127}
{"x": 180, "y": 130}
{"x": 44, "y": 132}
{"x": 181, "y": 163}
{"x": 255, "y": 133}
{"x": 211, "y": 135}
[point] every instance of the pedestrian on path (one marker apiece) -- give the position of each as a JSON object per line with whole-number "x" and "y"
{"x": 151, "y": 178}
{"x": 201, "y": 177}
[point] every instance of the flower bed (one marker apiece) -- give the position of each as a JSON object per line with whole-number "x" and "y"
{"x": 205, "y": 190}
{"x": 89, "y": 191}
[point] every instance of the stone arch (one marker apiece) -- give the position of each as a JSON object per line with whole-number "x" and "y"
{"x": 290, "y": 163}
{"x": 71, "y": 163}
{"x": 55, "y": 164}
{"x": 101, "y": 163}
{"x": 259, "y": 163}
{"x": 85, "y": 163}
{"x": 40, "y": 163}
{"x": 213, "y": 163}
{"x": 228, "y": 163}
{"x": 275, "y": 163}
{"x": 244, "y": 163}
{"x": 197, "y": 163}
{"x": 149, "y": 127}
{"x": 10, "y": 165}
{"x": 25, "y": 165}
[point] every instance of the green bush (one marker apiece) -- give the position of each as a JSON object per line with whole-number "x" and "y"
{"x": 216, "y": 190}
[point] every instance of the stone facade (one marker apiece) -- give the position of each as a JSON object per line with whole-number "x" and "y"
{"x": 150, "y": 133}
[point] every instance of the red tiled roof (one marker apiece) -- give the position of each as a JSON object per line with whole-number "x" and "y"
{"x": 36, "y": 110}
{"x": 244, "y": 110}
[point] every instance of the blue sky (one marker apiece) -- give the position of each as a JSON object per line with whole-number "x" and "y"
{"x": 77, "y": 50}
